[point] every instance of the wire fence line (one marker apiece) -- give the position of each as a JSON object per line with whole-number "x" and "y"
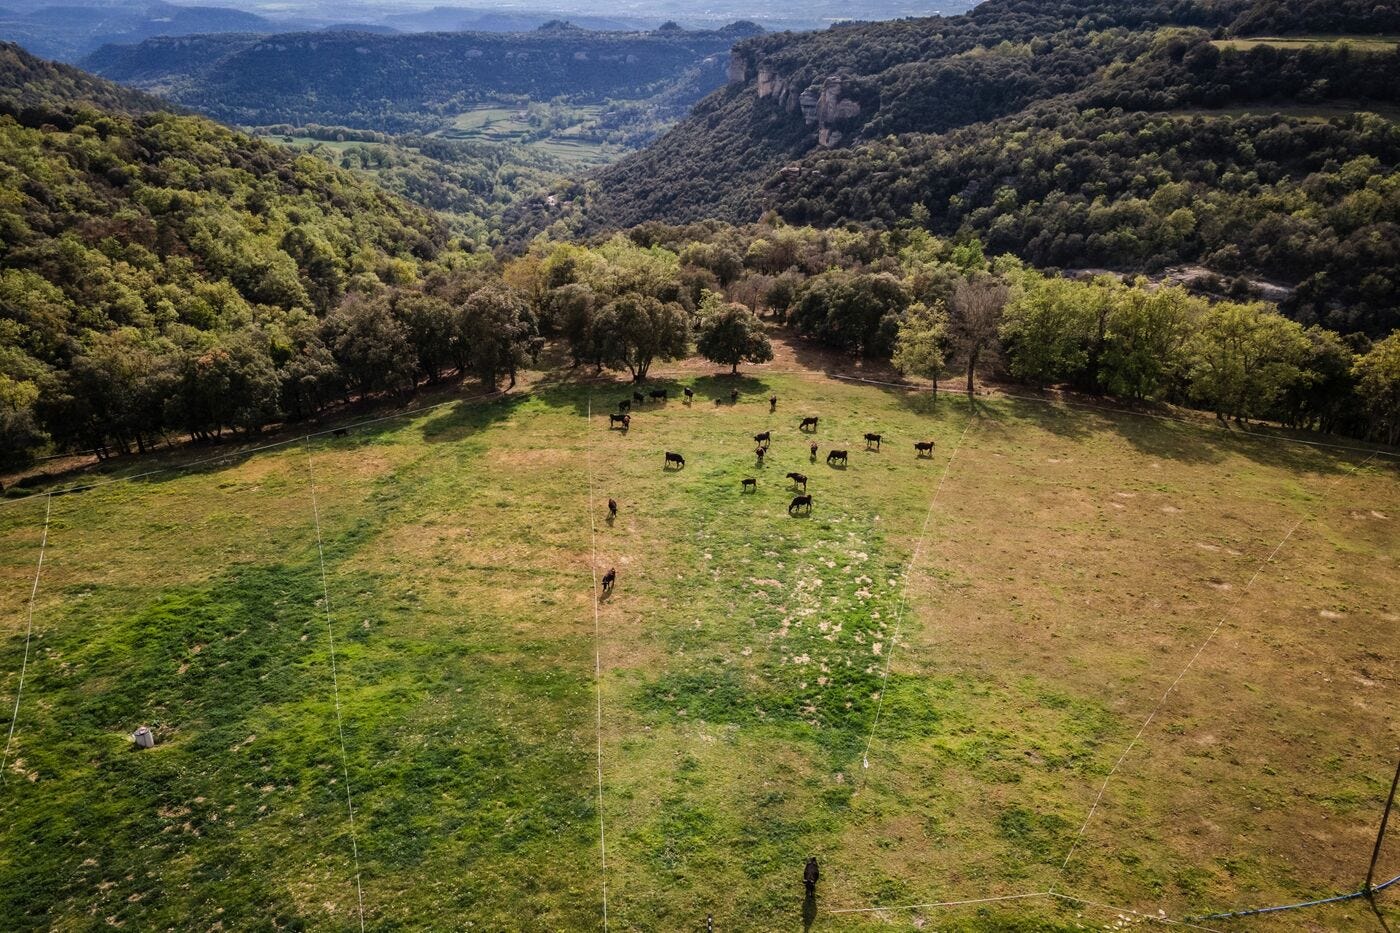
{"x": 597, "y": 661}
{"x": 335, "y": 681}
{"x": 28, "y": 635}
{"x": 904, "y": 597}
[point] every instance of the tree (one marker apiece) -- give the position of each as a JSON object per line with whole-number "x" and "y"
{"x": 920, "y": 347}
{"x": 637, "y": 330}
{"x": 1378, "y": 383}
{"x": 974, "y": 315}
{"x": 432, "y": 330}
{"x": 574, "y": 308}
{"x": 855, "y": 312}
{"x": 1243, "y": 357}
{"x": 19, "y": 425}
{"x": 497, "y": 326}
{"x": 731, "y": 334}
{"x": 1049, "y": 326}
{"x": 310, "y": 376}
{"x": 369, "y": 345}
{"x": 1145, "y": 338}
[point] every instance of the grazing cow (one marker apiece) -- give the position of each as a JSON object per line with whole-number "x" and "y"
{"x": 749, "y": 483}
{"x": 624, "y": 405}
{"x": 759, "y": 452}
{"x": 772, "y": 403}
{"x": 609, "y": 579}
{"x": 639, "y": 398}
{"x": 612, "y": 508}
{"x": 836, "y": 455}
{"x": 798, "y": 480}
{"x": 765, "y": 438}
{"x": 807, "y": 423}
{"x": 677, "y": 459}
{"x": 922, "y": 448}
{"x": 340, "y": 432}
{"x": 658, "y": 394}
{"x": 810, "y": 874}
{"x": 814, "y": 451}
{"x": 624, "y": 420}
{"x": 872, "y": 439}
{"x": 689, "y": 393}
{"x": 733, "y": 396}
{"x": 800, "y": 502}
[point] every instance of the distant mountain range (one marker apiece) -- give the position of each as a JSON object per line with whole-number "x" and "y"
{"x": 416, "y": 82}
{"x": 69, "y": 30}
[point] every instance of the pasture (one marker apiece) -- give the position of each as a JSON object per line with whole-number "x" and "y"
{"x": 504, "y": 124}
{"x": 1074, "y": 565}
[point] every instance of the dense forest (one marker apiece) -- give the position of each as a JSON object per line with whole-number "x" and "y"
{"x": 1048, "y": 128}
{"x": 164, "y": 277}
{"x": 416, "y": 82}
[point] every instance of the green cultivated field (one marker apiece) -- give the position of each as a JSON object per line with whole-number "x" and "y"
{"x": 505, "y": 125}
{"x": 1074, "y": 562}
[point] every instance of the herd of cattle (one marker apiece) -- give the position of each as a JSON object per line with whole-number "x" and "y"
{"x": 801, "y": 502}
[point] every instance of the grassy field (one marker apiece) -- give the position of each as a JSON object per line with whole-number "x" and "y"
{"x": 1073, "y": 563}
{"x": 506, "y": 125}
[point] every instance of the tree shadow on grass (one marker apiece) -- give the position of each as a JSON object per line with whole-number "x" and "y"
{"x": 465, "y": 419}
{"x": 1153, "y": 434}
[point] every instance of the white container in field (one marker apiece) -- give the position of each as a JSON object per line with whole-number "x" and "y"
{"x": 144, "y": 738}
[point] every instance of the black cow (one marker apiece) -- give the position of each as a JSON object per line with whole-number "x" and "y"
{"x": 340, "y": 432}
{"x": 624, "y": 420}
{"x": 609, "y": 579}
{"x": 922, "y": 448}
{"x": 677, "y": 459}
{"x": 749, "y": 483}
{"x": 639, "y": 398}
{"x": 624, "y": 405}
{"x": 772, "y": 403}
{"x": 814, "y": 451}
{"x": 836, "y": 455}
{"x": 689, "y": 393}
{"x": 800, "y": 502}
{"x": 765, "y": 438}
{"x": 810, "y": 874}
{"x": 759, "y": 452}
{"x": 807, "y": 423}
{"x": 798, "y": 479}
{"x": 733, "y": 396}
{"x": 872, "y": 439}
{"x": 658, "y": 394}
{"x": 612, "y": 509}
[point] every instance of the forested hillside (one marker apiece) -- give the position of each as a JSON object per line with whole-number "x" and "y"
{"x": 404, "y": 83}
{"x": 142, "y": 253}
{"x": 1045, "y": 128}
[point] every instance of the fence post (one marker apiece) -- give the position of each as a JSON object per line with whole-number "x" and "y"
{"x": 1380, "y": 835}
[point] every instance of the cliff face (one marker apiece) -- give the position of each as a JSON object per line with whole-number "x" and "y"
{"x": 822, "y": 104}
